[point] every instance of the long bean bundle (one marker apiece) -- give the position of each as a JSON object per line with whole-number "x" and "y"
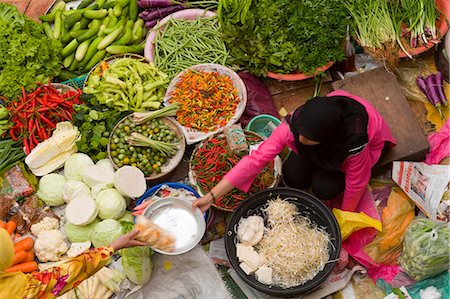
{"x": 185, "y": 43}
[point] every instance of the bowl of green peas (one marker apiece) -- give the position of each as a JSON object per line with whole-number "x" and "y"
{"x": 156, "y": 146}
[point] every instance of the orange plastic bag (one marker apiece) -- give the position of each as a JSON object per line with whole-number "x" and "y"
{"x": 396, "y": 217}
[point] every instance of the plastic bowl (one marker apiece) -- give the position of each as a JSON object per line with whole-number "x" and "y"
{"x": 308, "y": 206}
{"x": 263, "y": 124}
{"x": 193, "y": 136}
{"x": 442, "y": 26}
{"x": 298, "y": 76}
{"x": 187, "y": 14}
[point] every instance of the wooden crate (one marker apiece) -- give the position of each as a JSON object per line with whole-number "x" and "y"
{"x": 382, "y": 90}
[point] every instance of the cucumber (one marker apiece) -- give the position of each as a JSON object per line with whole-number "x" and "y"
{"x": 84, "y": 22}
{"x": 133, "y": 10}
{"x": 68, "y": 60}
{"x": 127, "y": 37}
{"x": 74, "y": 65}
{"x": 95, "y": 14}
{"x": 82, "y": 49}
{"x": 90, "y": 32}
{"x": 122, "y": 49}
{"x": 109, "y": 4}
{"x": 75, "y": 34}
{"x": 59, "y": 6}
{"x": 47, "y": 29}
{"x": 110, "y": 38}
{"x": 48, "y": 18}
{"x": 90, "y": 52}
{"x": 72, "y": 19}
{"x": 117, "y": 10}
{"x": 95, "y": 59}
{"x": 57, "y": 26}
{"x": 70, "y": 48}
{"x": 85, "y": 3}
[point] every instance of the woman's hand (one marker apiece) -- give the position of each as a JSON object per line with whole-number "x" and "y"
{"x": 203, "y": 203}
{"x": 138, "y": 210}
{"x": 127, "y": 240}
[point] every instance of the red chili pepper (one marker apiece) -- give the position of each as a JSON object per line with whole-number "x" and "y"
{"x": 27, "y": 148}
{"x": 46, "y": 120}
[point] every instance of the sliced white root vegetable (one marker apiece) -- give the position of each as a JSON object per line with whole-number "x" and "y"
{"x": 75, "y": 189}
{"x": 81, "y": 211}
{"x": 130, "y": 181}
{"x": 106, "y": 164}
{"x": 95, "y": 175}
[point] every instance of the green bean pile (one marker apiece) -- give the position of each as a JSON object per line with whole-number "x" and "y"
{"x": 184, "y": 43}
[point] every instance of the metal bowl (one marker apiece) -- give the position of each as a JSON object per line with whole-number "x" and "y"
{"x": 176, "y": 217}
{"x": 308, "y": 206}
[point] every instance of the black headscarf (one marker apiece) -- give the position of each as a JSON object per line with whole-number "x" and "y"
{"x": 338, "y": 123}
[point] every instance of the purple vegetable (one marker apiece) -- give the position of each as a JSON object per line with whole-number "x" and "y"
{"x": 160, "y": 13}
{"x": 156, "y": 3}
{"x": 144, "y": 14}
{"x": 151, "y": 24}
{"x": 440, "y": 88}
{"x": 423, "y": 87}
{"x": 433, "y": 92}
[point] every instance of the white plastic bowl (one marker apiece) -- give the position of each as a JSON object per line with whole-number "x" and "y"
{"x": 187, "y": 14}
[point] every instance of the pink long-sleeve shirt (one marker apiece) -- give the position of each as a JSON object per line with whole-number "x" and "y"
{"x": 357, "y": 168}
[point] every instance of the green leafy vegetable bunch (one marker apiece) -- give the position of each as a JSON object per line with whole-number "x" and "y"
{"x": 284, "y": 36}
{"x": 27, "y": 56}
{"x": 95, "y": 122}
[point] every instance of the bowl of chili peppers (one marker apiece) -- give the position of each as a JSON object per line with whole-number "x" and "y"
{"x": 212, "y": 97}
{"x": 212, "y": 159}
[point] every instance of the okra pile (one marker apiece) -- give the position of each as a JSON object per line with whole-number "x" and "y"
{"x": 95, "y": 30}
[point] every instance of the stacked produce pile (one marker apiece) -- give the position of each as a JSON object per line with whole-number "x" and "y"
{"x": 94, "y": 31}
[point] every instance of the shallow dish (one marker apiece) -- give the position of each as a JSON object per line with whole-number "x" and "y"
{"x": 192, "y": 135}
{"x": 168, "y": 167}
{"x": 176, "y": 217}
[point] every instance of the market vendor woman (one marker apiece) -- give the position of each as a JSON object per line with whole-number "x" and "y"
{"x": 335, "y": 142}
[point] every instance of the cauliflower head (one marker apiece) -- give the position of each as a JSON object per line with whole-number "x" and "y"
{"x": 46, "y": 224}
{"x": 50, "y": 245}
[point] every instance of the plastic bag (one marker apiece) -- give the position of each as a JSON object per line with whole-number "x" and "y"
{"x": 407, "y": 74}
{"x": 426, "y": 249}
{"x": 440, "y": 282}
{"x": 17, "y": 181}
{"x": 259, "y": 100}
{"x": 351, "y": 221}
{"x": 396, "y": 217}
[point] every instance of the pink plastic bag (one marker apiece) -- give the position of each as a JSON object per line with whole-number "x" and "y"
{"x": 355, "y": 243}
{"x": 439, "y": 145}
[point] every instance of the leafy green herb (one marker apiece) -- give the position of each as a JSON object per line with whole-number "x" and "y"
{"x": 95, "y": 122}
{"x": 27, "y": 56}
{"x": 284, "y": 36}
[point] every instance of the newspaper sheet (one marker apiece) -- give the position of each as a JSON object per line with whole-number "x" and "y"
{"x": 425, "y": 185}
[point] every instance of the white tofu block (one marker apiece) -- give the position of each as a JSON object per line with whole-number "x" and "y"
{"x": 264, "y": 275}
{"x": 243, "y": 252}
{"x": 246, "y": 268}
{"x": 254, "y": 260}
